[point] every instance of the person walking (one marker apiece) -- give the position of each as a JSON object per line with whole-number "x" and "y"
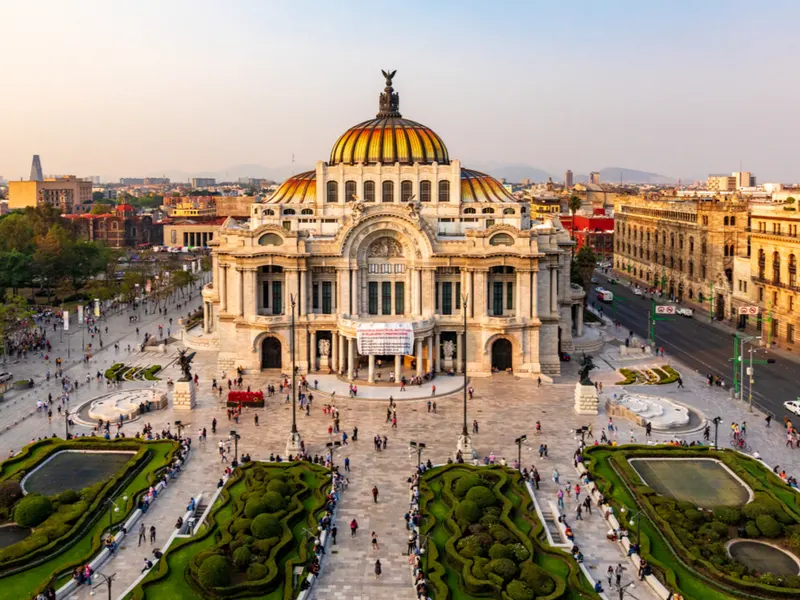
{"x": 610, "y": 574}
{"x": 347, "y": 463}
{"x": 142, "y": 534}
{"x": 152, "y": 534}
{"x": 579, "y": 512}
{"x": 333, "y": 534}
{"x": 561, "y": 499}
{"x": 618, "y": 573}
{"x": 768, "y": 419}
{"x": 378, "y": 569}
{"x": 375, "y": 494}
{"x": 353, "y": 528}
{"x": 680, "y": 385}
{"x": 374, "y": 537}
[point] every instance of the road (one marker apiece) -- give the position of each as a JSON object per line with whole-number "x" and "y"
{"x": 704, "y": 347}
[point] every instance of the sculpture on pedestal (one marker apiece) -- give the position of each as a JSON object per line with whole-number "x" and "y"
{"x": 586, "y": 366}
{"x": 324, "y": 347}
{"x": 185, "y": 364}
{"x": 448, "y": 349}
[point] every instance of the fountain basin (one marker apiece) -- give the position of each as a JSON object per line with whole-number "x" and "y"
{"x": 763, "y": 557}
{"x": 73, "y": 470}
{"x": 661, "y": 412}
{"x": 13, "y": 533}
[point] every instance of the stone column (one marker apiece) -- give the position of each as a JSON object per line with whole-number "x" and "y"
{"x": 580, "y": 319}
{"x": 419, "y": 357}
{"x": 351, "y": 356}
{"x": 459, "y": 351}
{"x": 302, "y": 307}
{"x": 313, "y": 353}
{"x": 430, "y": 352}
{"x": 342, "y": 342}
{"x": 479, "y": 295}
{"x": 344, "y": 289}
{"x": 335, "y": 351}
{"x": 412, "y": 292}
{"x": 438, "y": 352}
{"x": 223, "y": 288}
{"x": 553, "y": 290}
{"x": 206, "y": 324}
{"x": 468, "y": 291}
{"x": 535, "y": 294}
{"x": 429, "y": 293}
{"x": 398, "y": 366}
{"x": 240, "y": 292}
{"x": 371, "y": 373}
{"x": 353, "y": 278}
{"x": 290, "y": 285}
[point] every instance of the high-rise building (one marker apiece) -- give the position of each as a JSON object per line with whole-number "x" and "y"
{"x": 60, "y": 192}
{"x": 594, "y": 177}
{"x": 36, "y": 169}
{"x": 200, "y": 182}
{"x": 568, "y": 179}
{"x": 729, "y": 183}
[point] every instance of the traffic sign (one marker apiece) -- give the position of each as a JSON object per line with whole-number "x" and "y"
{"x": 748, "y": 310}
{"x": 665, "y": 310}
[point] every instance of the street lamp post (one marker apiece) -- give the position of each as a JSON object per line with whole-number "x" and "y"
{"x": 66, "y": 424}
{"x": 111, "y": 503}
{"x": 235, "y": 435}
{"x": 293, "y": 445}
{"x": 107, "y": 579}
{"x": 464, "y": 442}
{"x": 623, "y": 589}
{"x": 418, "y": 447}
{"x": 519, "y": 441}
{"x": 638, "y": 516}
{"x": 716, "y": 421}
{"x": 180, "y": 426}
{"x": 333, "y": 447}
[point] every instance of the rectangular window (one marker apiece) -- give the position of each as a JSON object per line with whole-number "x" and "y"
{"x": 509, "y": 295}
{"x": 373, "y": 297}
{"x": 399, "y": 298}
{"x": 791, "y": 303}
{"x": 386, "y": 297}
{"x": 265, "y": 294}
{"x": 314, "y": 296}
{"x": 436, "y": 297}
{"x": 277, "y": 298}
{"x": 761, "y": 294}
{"x": 447, "y": 298}
{"x": 775, "y": 328}
{"x": 497, "y": 300}
{"x": 790, "y": 333}
{"x": 327, "y": 297}
{"x": 458, "y": 295}
{"x": 173, "y": 236}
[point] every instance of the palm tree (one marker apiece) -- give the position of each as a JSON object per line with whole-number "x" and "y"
{"x": 574, "y": 206}
{"x": 586, "y": 260}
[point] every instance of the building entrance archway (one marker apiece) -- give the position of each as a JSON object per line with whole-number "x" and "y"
{"x": 271, "y": 353}
{"x": 501, "y": 355}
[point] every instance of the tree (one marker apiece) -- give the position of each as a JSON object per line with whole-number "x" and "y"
{"x": 16, "y": 233}
{"x": 585, "y": 261}
{"x": 102, "y": 209}
{"x": 574, "y": 206}
{"x": 98, "y": 196}
{"x": 14, "y": 315}
{"x": 15, "y": 269}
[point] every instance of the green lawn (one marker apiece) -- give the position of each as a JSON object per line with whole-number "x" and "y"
{"x": 23, "y": 585}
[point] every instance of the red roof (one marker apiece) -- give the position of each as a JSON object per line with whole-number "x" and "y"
{"x": 125, "y": 208}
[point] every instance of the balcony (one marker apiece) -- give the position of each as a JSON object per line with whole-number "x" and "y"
{"x": 773, "y": 283}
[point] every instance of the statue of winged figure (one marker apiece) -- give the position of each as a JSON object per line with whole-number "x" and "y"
{"x": 389, "y": 76}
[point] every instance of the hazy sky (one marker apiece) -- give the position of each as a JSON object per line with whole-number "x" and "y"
{"x": 122, "y": 88}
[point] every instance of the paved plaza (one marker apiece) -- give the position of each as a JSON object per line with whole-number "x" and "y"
{"x": 504, "y": 406}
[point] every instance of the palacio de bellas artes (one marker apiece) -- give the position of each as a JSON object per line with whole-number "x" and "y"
{"x": 391, "y": 252}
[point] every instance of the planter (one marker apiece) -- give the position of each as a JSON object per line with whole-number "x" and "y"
{"x": 246, "y": 399}
{"x": 23, "y": 384}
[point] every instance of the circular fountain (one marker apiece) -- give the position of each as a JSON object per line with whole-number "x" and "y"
{"x": 763, "y": 557}
{"x": 127, "y": 404}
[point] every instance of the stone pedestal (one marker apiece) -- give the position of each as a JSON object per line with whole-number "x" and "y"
{"x": 324, "y": 363}
{"x": 586, "y": 400}
{"x": 449, "y": 363}
{"x": 465, "y": 445}
{"x": 184, "y": 396}
{"x": 293, "y": 444}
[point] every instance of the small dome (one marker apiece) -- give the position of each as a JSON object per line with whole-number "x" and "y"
{"x": 480, "y": 187}
{"x": 298, "y": 188}
{"x": 389, "y": 138}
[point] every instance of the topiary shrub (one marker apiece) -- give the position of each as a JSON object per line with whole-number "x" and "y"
{"x": 265, "y": 526}
{"x": 503, "y": 568}
{"x": 68, "y": 497}
{"x": 489, "y": 520}
{"x": 470, "y": 547}
{"x": 256, "y": 571}
{"x": 519, "y": 553}
{"x": 768, "y": 526}
{"x": 242, "y": 557}
{"x": 538, "y": 579}
{"x": 482, "y": 496}
{"x": 499, "y": 551}
{"x": 259, "y": 474}
{"x": 10, "y": 492}
{"x": 262, "y": 547}
{"x": 760, "y": 506}
{"x": 255, "y": 507}
{"x": 214, "y": 572}
{"x": 694, "y": 515}
{"x": 519, "y": 590}
{"x": 273, "y": 501}
{"x": 240, "y": 525}
{"x": 276, "y": 485}
{"x": 501, "y": 534}
{"x": 728, "y": 515}
{"x": 32, "y": 510}
{"x": 468, "y": 512}
{"x": 465, "y": 484}
{"x": 751, "y": 530}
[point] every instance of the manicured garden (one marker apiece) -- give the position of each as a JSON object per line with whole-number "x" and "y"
{"x": 483, "y": 539}
{"x": 649, "y": 376}
{"x": 120, "y": 371}
{"x": 686, "y": 544}
{"x": 256, "y": 534}
{"x": 67, "y": 527}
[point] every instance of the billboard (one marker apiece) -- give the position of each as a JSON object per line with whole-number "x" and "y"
{"x": 385, "y": 338}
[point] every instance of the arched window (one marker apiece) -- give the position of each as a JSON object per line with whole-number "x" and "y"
{"x": 469, "y": 211}
{"x": 488, "y": 211}
{"x": 762, "y": 263}
{"x": 444, "y": 191}
{"x": 671, "y": 262}
{"x": 501, "y": 239}
{"x": 725, "y": 221}
{"x": 671, "y": 240}
{"x": 306, "y": 211}
{"x": 268, "y": 212}
{"x": 424, "y": 191}
{"x": 406, "y": 191}
{"x": 387, "y": 194}
{"x": 288, "y": 211}
{"x": 792, "y": 270}
{"x": 333, "y": 191}
{"x": 680, "y": 265}
{"x": 703, "y": 247}
{"x": 680, "y": 242}
{"x": 691, "y": 244}
{"x": 691, "y": 269}
{"x": 776, "y": 267}
{"x": 733, "y": 220}
{"x": 369, "y": 191}
{"x": 349, "y": 190}
{"x": 508, "y": 211}
{"x": 725, "y": 250}
{"x": 270, "y": 239}
{"x": 691, "y": 293}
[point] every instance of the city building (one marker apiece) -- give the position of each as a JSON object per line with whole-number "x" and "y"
{"x": 122, "y": 228}
{"x": 683, "y": 247}
{"x": 60, "y": 192}
{"x": 36, "y": 169}
{"x": 568, "y": 180}
{"x": 774, "y": 250}
{"x": 194, "y": 232}
{"x": 730, "y": 183}
{"x": 390, "y": 244}
{"x": 201, "y": 182}
{"x": 594, "y": 177}
{"x": 191, "y": 206}
{"x": 595, "y": 230}
{"x": 595, "y": 195}
{"x": 544, "y": 207}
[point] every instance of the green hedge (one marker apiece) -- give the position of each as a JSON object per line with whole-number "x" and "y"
{"x": 698, "y": 537}
{"x": 629, "y": 375}
{"x": 111, "y": 372}
{"x": 482, "y": 532}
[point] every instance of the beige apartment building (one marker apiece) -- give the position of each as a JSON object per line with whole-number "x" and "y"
{"x": 684, "y": 247}
{"x": 61, "y": 192}
{"x": 380, "y": 254}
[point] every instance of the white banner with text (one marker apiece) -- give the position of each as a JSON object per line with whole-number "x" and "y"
{"x": 385, "y": 338}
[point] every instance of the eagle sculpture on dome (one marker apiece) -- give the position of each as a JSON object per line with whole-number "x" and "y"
{"x": 389, "y": 77}
{"x": 389, "y": 100}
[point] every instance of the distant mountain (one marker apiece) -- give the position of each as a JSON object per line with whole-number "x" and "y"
{"x": 513, "y": 173}
{"x": 234, "y": 172}
{"x": 612, "y": 175}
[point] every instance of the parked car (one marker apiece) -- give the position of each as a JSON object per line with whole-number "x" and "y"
{"x": 684, "y": 312}
{"x": 793, "y": 406}
{"x": 595, "y": 280}
{"x": 564, "y": 357}
{"x": 637, "y": 291}
{"x": 5, "y": 377}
